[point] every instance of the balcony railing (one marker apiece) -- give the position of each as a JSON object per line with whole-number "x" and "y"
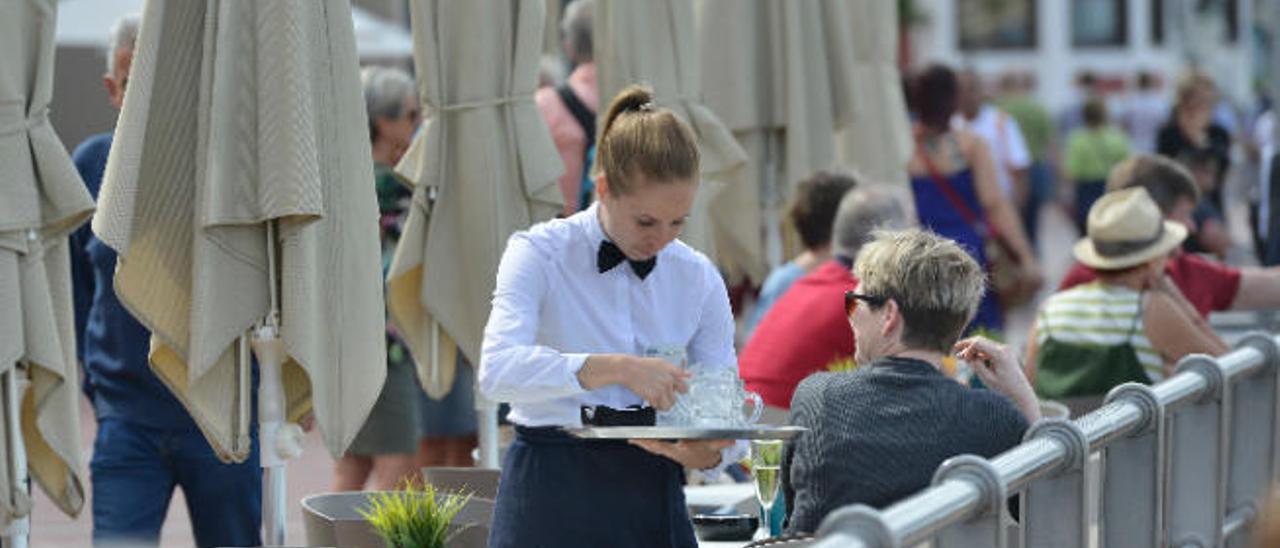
{"x": 1186, "y": 462}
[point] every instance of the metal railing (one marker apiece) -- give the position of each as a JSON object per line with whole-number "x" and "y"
{"x": 1187, "y": 462}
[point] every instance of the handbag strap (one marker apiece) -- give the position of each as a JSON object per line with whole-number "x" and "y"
{"x": 950, "y": 194}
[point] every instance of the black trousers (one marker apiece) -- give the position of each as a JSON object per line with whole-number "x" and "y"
{"x": 560, "y": 491}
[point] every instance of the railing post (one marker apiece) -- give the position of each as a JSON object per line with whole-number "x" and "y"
{"x": 987, "y": 528}
{"x": 859, "y": 525}
{"x": 1132, "y": 505}
{"x": 1197, "y": 486}
{"x": 1253, "y": 432}
{"x": 1054, "y": 510}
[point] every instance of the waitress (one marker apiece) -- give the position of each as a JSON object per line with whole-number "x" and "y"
{"x": 577, "y": 301}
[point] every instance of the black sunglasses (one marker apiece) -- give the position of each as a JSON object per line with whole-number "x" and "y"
{"x": 851, "y": 301}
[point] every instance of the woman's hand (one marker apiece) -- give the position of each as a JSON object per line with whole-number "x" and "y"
{"x": 653, "y": 379}
{"x": 998, "y": 368}
{"x": 696, "y": 454}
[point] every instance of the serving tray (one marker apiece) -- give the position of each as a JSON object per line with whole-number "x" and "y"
{"x": 754, "y": 432}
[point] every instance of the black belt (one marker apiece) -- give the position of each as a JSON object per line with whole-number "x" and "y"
{"x": 607, "y": 416}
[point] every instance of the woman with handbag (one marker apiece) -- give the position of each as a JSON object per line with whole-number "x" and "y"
{"x": 953, "y": 179}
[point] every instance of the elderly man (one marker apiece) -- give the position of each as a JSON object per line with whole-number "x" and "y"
{"x": 570, "y": 109}
{"x": 1208, "y": 285}
{"x": 806, "y": 331}
{"x": 146, "y": 442}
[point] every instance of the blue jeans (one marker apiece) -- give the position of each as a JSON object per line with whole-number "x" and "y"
{"x": 135, "y": 468}
{"x": 1040, "y": 180}
{"x": 1087, "y": 192}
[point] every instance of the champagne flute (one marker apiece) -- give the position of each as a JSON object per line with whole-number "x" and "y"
{"x": 766, "y": 467}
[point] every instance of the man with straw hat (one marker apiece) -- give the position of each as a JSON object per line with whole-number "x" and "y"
{"x": 1208, "y": 285}
{"x": 1131, "y": 324}
{"x": 147, "y": 442}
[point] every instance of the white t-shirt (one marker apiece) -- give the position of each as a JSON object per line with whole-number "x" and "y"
{"x": 1003, "y": 137}
{"x": 1146, "y": 113}
{"x": 1264, "y": 129}
{"x": 1264, "y": 136}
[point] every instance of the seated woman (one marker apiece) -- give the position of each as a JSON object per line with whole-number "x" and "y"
{"x": 1132, "y": 323}
{"x": 878, "y": 433}
{"x": 812, "y": 212}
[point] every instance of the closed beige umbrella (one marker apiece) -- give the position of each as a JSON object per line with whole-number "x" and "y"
{"x": 482, "y": 167}
{"x": 551, "y": 28}
{"x": 654, "y": 43}
{"x": 239, "y": 115}
{"x": 878, "y": 142}
{"x": 742, "y": 58}
{"x": 780, "y": 76}
{"x": 42, "y": 199}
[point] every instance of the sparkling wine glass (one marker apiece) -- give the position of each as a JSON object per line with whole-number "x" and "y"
{"x": 766, "y": 467}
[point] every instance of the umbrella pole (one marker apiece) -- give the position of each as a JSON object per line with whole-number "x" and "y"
{"x": 488, "y": 422}
{"x": 773, "y": 243}
{"x": 278, "y": 441}
{"x": 15, "y": 532}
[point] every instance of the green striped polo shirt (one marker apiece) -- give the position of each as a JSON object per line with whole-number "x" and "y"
{"x": 1101, "y": 315}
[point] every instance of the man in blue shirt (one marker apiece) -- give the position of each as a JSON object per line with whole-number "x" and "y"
{"x": 146, "y": 442}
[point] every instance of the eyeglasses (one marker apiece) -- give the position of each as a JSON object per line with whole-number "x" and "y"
{"x": 851, "y": 301}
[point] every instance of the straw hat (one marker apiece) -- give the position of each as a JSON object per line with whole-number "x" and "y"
{"x": 1126, "y": 229}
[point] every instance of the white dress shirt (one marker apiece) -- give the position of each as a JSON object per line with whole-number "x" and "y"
{"x": 1004, "y": 137}
{"x": 552, "y": 308}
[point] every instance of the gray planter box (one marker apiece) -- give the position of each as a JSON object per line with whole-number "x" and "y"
{"x": 333, "y": 519}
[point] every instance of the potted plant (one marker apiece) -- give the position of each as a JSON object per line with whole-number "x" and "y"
{"x": 414, "y": 517}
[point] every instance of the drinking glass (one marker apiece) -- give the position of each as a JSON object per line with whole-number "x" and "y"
{"x": 680, "y": 414}
{"x": 718, "y": 395}
{"x": 766, "y": 468}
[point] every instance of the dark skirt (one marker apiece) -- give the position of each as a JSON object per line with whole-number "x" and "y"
{"x": 392, "y": 426}
{"x": 561, "y": 491}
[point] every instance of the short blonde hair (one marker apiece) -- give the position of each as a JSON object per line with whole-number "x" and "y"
{"x": 936, "y": 284}
{"x": 1195, "y": 85}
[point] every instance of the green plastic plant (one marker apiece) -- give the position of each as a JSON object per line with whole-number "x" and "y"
{"x": 413, "y": 517}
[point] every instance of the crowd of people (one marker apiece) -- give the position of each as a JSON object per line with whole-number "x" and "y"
{"x": 1148, "y": 196}
{"x": 881, "y": 336}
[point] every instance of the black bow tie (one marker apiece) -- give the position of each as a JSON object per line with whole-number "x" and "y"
{"x": 610, "y": 256}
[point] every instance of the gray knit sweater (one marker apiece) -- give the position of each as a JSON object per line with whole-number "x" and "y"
{"x": 877, "y": 434}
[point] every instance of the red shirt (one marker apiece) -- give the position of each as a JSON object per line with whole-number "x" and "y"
{"x": 1209, "y": 286}
{"x": 804, "y": 331}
